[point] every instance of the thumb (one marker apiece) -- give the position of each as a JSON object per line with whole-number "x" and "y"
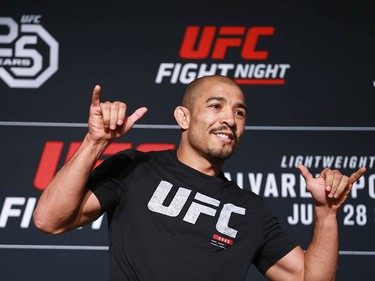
{"x": 95, "y": 99}
{"x": 305, "y": 172}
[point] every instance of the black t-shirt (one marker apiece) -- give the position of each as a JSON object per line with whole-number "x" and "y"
{"x": 168, "y": 221}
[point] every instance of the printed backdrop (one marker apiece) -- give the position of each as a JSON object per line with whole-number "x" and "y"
{"x": 307, "y": 71}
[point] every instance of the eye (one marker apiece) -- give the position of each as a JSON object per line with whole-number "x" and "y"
{"x": 215, "y": 105}
{"x": 241, "y": 113}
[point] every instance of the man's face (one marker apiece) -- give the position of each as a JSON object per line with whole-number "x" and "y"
{"x": 217, "y": 120}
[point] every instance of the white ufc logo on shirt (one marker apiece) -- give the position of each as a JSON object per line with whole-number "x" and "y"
{"x": 173, "y": 210}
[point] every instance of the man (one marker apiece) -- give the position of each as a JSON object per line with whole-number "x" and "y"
{"x": 172, "y": 215}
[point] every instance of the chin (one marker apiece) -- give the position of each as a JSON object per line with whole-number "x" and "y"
{"x": 220, "y": 155}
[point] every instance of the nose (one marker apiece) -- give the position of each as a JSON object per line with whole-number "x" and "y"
{"x": 228, "y": 118}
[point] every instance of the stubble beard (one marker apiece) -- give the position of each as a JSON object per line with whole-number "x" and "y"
{"x": 212, "y": 153}
{"x": 219, "y": 155}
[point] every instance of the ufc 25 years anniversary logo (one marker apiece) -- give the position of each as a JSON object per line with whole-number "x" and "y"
{"x": 29, "y": 55}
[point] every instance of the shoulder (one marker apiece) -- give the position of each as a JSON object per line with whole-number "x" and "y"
{"x": 131, "y": 158}
{"x": 118, "y": 162}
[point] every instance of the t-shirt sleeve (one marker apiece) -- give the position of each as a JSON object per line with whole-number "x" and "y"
{"x": 105, "y": 180}
{"x": 276, "y": 244}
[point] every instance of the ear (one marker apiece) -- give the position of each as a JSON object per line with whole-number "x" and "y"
{"x": 182, "y": 116}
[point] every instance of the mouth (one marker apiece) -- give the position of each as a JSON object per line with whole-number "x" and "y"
{"x": 223, "y": 134}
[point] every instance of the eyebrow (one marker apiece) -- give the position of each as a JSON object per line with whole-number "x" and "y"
{"x": 237, "y": 105}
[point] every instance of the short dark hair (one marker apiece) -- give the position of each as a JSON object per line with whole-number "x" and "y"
{"x": 193, "y": 88}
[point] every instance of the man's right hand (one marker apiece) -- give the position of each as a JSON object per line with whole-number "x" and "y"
{"x": 108, "y": 120}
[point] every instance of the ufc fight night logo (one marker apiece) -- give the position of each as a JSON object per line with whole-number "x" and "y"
{"x": 203, "y": 45}
{"x": 28, "y": 53}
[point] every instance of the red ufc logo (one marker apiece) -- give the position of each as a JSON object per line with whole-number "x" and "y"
{"x": 51, "y": 156}
{"x": 220, "y": 39}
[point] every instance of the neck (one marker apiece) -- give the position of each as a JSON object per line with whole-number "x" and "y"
{"x": 199, "y": 162}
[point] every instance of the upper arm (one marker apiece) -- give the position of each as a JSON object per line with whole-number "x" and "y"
{"x": 88, "y": 212}
{"x": 90, "y": 209}
{"x": 289, "y": 267}
{"x": 51, "y": 220}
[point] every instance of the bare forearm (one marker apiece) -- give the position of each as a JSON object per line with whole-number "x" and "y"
{"x": 61, "y": 202}
{"x": 321, "y": 257}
